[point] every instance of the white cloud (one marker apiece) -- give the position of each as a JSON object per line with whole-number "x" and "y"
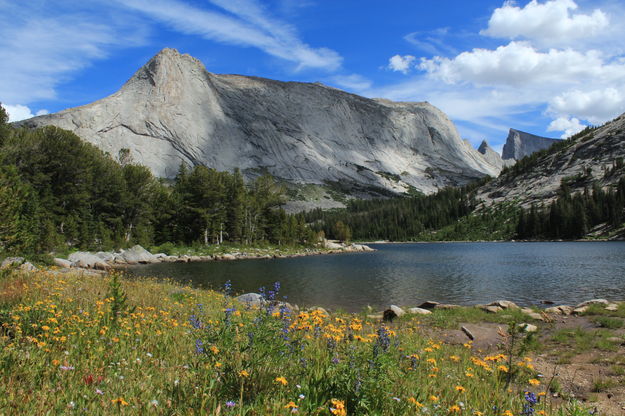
{"x": 519, "y": 64}
{"x": 246, "y": 24}
{"x": 596, "y": 105}
{"x": 568, "y": 125}
{"x": 550, "y": 23}
{"x": 21, "y": 112}
{"x": 43, "y": 44}
{"x": 353, "y": 82}
{"x": 400, "y": 63}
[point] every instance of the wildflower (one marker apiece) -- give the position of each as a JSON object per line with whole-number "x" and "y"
{"x": 98, "y": 391}
{"x": 454, "y": 409}
{"x": 214, "y": 349}
{"x": 45, "y": 328}
{"x": 154, "y": 403}
{"x": 55, "y": 362}
{"x": 290, "y": 405}
{"x": 244, "y": 373}
{"x": 301, "y": 396}
{"x": 66, "y": 368}
{"x": 120, "y": 401}
{"x": 337, "y": 407}
{"x": 199, "y": 346}
{"x": 281, "y": 380}
{"x": 415, "y": 402}
{"x": 468, "y": 374}
{"x": 534, "y": 382}
{"x": 433, "y": 398}
{"x": 454, "y": 358}
{"x": 503, "y": 368}
{"x": 71, "y": 405}
{"x": 541, "y": 413}
{"x": 531, "y": 398}
{"x": 231, "y": 403}
{"x": 460, "y": 389}
{"x": 508, "y": 413}
{"x": 478, "y": 413}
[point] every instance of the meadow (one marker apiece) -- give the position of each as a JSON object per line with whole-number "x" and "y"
{"x": 102, "y": 344}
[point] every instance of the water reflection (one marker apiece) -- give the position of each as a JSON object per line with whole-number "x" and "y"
{"x": 407, "y": 274}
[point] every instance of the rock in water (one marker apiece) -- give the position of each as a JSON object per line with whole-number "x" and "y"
{"x": 520, "y": 144}
{"x": 174, "y": 111}
{"x": 138, "y": 254}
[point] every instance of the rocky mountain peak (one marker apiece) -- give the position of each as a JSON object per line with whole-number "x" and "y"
{"x": 174, "y": 111}
{"x": 520, "y": 144}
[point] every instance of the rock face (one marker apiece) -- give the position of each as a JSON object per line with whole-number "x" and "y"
{"x": 492, "y": 157}
{"x": 584, "y": 162}
{"x": 174, "y": 111}
{"x": 520, "y": 144}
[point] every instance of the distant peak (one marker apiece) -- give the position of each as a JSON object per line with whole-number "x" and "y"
{"x": 483, "y": 147}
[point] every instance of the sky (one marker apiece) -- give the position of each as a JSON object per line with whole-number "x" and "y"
{"x": 548, "y": 67}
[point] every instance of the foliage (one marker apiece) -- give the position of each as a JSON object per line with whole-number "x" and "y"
{"x": 58, "y": 192}
{"x": 203, "y": 352}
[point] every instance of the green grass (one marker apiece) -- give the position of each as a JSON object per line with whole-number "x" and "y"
{"x": 101, "y": 345}
{"x": 452, "y": 318}
{"x": 599, "y": 309}
{"x": 576, "y": 341}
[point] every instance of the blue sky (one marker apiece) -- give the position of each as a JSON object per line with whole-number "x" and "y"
{"x": 548, "y": 67}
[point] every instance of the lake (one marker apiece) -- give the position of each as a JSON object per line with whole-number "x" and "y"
{"x": 408, "y": 274}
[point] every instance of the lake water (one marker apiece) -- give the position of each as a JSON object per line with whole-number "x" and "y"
{"x": 408, "y": 274}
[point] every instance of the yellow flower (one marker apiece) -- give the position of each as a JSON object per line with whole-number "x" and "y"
{"x": 281, "y": 380}
{"x": 337, "y": 407}
{"x": 433, "y": 398}
{"x": 244, "y": 373}
{"x": 415, "y": 402}
{"x": 454, "y": 358}
{"x": 290, "y": 405}
{"x": 478, "y": 413}
{"x": 454, "y": 409}
{"x": 541, "y": 413}
{"x": 218, "y": 364}
{"x": 468, "y": 374}
{"x": 503, "y": 368}
{"x": 120, "y": 401}
{"x": 508, "y": 413}
{"x": 55, "y": 362}
{"x": 214, "y": 349}
{"x": 460, "y": 389}
{"x": 534, "y": 382}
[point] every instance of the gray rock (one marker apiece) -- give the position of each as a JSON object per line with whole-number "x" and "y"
{"x": 520, "y": 144}
{"x": 490, "y": 308}
{"x": 251, "y": 299}
{"x": 11, "y": 262}
{"x": 398, "y": 311}
{"x": 333, "y": 245}
{"x": 27, "y": 267}
{"x": 446, "y": 306}
{"x": 580, "y": 310}
{"x": 504, "y": 304}
{"x": 533, "y": 314}
{"x": 429, "y": 304}
{"x": 87, "y": 260}
{"x": 468, "y": 333}
{"x": 138, "y": 254}
{"x": 299, "y": 132}
{"x": 419, "y": 311}
{"x": 160, "y": 255}
{"x": 106, "y": 256}
{"x": 593, "y": 302}
{"x": 528, "y": 327}
{"x": 66, "y": 264}
{"x": 227, "y": 257}
{"x": 612, "y": 307}
{"x": 560, "y": 310}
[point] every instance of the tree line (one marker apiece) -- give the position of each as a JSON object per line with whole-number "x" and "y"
{"x": 57, "y": 191}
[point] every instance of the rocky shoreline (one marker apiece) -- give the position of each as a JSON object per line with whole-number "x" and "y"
{"x": 106, "y": 260}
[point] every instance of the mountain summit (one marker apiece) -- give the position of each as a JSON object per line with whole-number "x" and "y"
{"x": 174, "y": 111}
{"x": 520, "y": 144}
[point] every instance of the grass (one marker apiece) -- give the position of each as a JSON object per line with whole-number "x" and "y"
{"x": 578, "y": 341}
{"x": 451, "y": 318}
{"x": 106, "y": 345}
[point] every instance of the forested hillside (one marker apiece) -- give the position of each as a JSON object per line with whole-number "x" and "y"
{"x": 59, "y": 192}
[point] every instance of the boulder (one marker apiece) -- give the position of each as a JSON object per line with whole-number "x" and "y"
{"x": 332, "y": 245}
{"x": 446, "y": 306}
{"x": 160, "y": 255}
{"x": 251, "y": 299}
{"x": 490, "y": 308}
{"x": 560, "y": 310}
{"x": 398, "y": 311}
{"x": 138, "y": 254}
{"x": 11, "y": 262}
{"x": 27, "y": 267}
{"x": 195, "y": 258}
{"x": 63, "y": 263}
{"x": 467, "y": 332}
{"x": 580, "y": 310}
{"x": 612, "y": 307}
{"x": 106, "y": 256}
{"x": 388, "y": 315}
{"x": 528, "y": 327}
{"x": 593, "y": 302}
{"x": 228, "y": 257}
{"x": 419, "y": 311}
{"x": 533, "y": 314}
{"x": 87, "y": 260}
{"x": 429, "y": 304}
{"x": 504, "y": 304}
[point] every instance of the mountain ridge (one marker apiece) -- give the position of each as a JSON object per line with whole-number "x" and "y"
{"x": 173, "y": 111}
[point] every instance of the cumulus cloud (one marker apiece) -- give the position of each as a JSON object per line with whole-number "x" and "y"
{"x": 21, "y": 112}
{"x": 595, "y": 106}
{"x": 552, "y": 22}
{"x": 246, "y": 23}
{"x": 519, "y": 64}
{"x": 400, "y": 63}
{"x": 568, "y": 125}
